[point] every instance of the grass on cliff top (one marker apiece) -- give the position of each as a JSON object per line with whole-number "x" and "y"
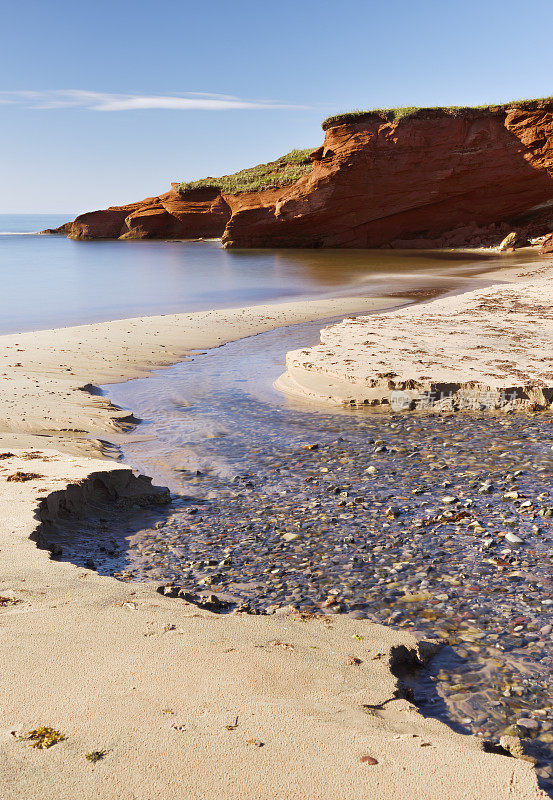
{"x": 414, "y": 112}
{"x": 282, "y": 172}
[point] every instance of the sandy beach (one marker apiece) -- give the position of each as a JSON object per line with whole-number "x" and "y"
{"x": 180, "y": 702}
{"x": 276, "y": 395}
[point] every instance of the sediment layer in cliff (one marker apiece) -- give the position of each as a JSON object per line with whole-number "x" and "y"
{"x": 422, "y": 178}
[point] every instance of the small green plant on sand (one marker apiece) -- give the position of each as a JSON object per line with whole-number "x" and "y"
{"x": 45, "y": 737}
{"x": 95, "y": 755}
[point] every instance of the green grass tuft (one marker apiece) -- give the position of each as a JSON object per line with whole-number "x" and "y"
{"x": 414, "y": 112}
{"x": 282, "y": 172}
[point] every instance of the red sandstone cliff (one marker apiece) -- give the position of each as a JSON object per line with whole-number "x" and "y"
{"x": 435, "y": 178}
{"x": 202, "y": 214}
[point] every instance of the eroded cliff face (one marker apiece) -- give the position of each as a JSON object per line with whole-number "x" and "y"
{"x": 426, "y": 182}
{"x": 434, "y": 179}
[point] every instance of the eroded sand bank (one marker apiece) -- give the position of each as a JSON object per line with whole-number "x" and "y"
{"x": 184, "y": 703}
{"x": 483, "y": 349}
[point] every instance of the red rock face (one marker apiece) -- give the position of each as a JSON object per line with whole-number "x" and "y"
{"x": 446, "y": 181}
{"x": 203, "y": 213}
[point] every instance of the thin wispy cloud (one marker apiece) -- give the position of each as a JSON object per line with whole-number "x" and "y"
{"x": 101, "y": 101}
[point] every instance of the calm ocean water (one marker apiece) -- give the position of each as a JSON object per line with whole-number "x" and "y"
{"x": 51, "y": 281}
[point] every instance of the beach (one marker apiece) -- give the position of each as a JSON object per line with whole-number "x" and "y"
{"x": 276, "y": 395}
{"x": 180, "y": 701}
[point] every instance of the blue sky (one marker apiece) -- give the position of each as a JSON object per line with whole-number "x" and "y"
{"x": 106, "y": 103}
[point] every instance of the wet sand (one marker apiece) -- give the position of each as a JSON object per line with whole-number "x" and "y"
{"x": 48, "y": 377}
{"x": 396, "y": 518}
{"x": 178, "y": 702}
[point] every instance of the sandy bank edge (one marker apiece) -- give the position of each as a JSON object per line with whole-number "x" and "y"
{"x": 46, "y": 377}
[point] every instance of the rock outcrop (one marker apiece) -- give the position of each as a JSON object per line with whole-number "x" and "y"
{"x": 430, "y": 178}
{"x": 547, "y": 245}
{"x": 203, "y": 213}
{"x": 513, "y": 241}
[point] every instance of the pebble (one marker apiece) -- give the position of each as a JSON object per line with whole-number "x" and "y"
{"x": 513, "y": 538}
{"x": 529, "y": 724}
